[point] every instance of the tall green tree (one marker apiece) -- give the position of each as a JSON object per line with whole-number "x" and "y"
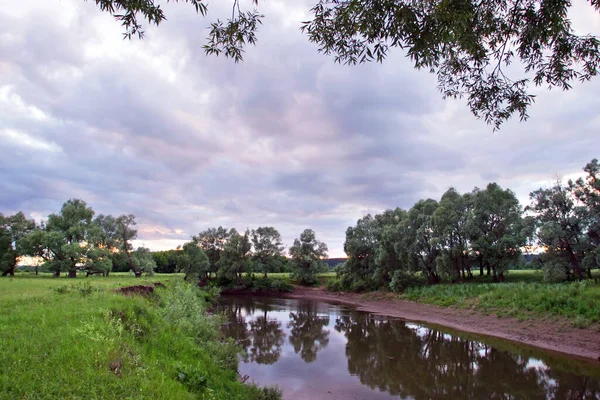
{"x": 125, "y": 233}
{"x": 496, "y": 229}
{"x": 566, "y": 217}
{"x": 212, "y": 241}
{"x": 451, "y": 221}
{"x": 468, "y": 44}
{"x": 307, "y": 254}
{"x": 236, "y": 255}
{"x": 142, "y": 262}
{"x": 193, "y": 262}
{"x": 420, "y": 241}
{"x": 104, "y": 238}
{"x": 63, "y": 240}
{"x": 388, "y": 258}
{"x": 166, "y": 261}
{"x": 587, "y": 191}
{"x": 268, "y": 249}
{"x": 373, "y": 256}
{"x": 361, "y": 244}
{"x": 13, "y": 233}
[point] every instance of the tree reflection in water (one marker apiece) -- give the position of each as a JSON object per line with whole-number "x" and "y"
{"x": 261, "y": 339}
{"x": 389, "y": 357}
{"x": 423, "y": 363}
{"x": 267, "y": 339}
{"x": 307, "y": 333}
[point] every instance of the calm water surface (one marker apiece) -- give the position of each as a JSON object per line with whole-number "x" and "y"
{"x": 316, "y": 350}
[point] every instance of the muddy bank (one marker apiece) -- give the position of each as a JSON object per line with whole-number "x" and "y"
{"x": 553, "y": 334}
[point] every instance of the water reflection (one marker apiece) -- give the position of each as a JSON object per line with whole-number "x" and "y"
{"x": 364, "y": 356}
{"x": 267, "y": 339}
{"x": 307, "y": 333}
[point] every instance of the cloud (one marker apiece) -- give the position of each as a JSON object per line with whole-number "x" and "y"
{"x": 287, "y": 138}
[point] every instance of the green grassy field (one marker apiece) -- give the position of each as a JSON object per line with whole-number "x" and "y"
{"x": 77, "y": 339}
{"x": 523, "y": 295}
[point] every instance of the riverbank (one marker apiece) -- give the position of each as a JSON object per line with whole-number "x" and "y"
{"x": 553, "y": 334}
{"x": 84, "y": 339}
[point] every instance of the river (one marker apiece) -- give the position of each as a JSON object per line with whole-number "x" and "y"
{"x": 317, "y": 350}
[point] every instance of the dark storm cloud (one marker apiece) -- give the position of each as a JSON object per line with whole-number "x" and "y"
{"x": 287, "y": 138}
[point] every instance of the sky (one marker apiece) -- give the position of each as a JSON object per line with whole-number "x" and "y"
{"x": 287, "y": 138}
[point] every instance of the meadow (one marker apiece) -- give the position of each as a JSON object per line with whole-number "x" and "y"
{"x": 79, "y": 339}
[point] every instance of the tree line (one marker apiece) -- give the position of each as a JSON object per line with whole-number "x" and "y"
{"x": 483, "y": 231}
{"x": 75, "y": 239}
{"x": 228, "y": 254}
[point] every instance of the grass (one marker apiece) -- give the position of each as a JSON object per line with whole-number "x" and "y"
{"x": 77, "y": 339}
{"x": 579, "y": 302}
{"x": 323, "y": 277}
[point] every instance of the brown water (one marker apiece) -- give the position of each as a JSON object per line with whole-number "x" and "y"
{"x": 315, "y": 350}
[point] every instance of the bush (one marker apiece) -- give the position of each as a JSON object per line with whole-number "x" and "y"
{"x": 554, "y": 271}
{"x": 335, "y": 285}
{"x": 279, "y": 285}
{"x": 62, "y": 289}
{"x": 85, "y": 289}
{"x": 402, "y": 280}
{"x": 135, "y": 319}
{"x": 346, "y": 284}
{"x": 184, "y": 307}
{"x": 254, "y": 284}
{"x": 193, "y": 378}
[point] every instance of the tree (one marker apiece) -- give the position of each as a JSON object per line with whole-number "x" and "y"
{"x": 13, "y": 232}
{"x": 587, "y": 191}
{"x": 236, "y": 255}
{"x": 361, "y": 244}
{"x": 372, "y": 249}
{"x": 420, "y": 241}
{"x": 212, "y": 242}
{"x": 468, "y": 44}
{"x": 104, "y": 237}
{"x": 193, "y": 262}
{"x": 142, "y": 262}
{"x": 451, "y": 220}
{"x": 62, "y": 240}
{"x": 307, "y": 254}
{"x": 268, "y": 249}
{"x": 567, "y": 226}
{"x": 98, "y": 260}
{"x": 166, "y": 261}
{"x": 496, "y": 229}
{"x": 388, "y": 258}
{"x": 124, "y": 235}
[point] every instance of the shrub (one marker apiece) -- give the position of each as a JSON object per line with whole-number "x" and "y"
{"x": 62, "y": 289}
{"x": 279, "y": 285}
{"x": 335, "y": 285}
{"x": 401, "y": 280}
{"x": 184, "y": 307}
{"x": 192, "y": 377}
{"x": 554, "y": 271}
{"x": 86, "y": 288}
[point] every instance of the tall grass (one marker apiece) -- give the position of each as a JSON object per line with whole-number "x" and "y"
{"x": 78, "y": 339}
{"x": 576, "y": 301}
